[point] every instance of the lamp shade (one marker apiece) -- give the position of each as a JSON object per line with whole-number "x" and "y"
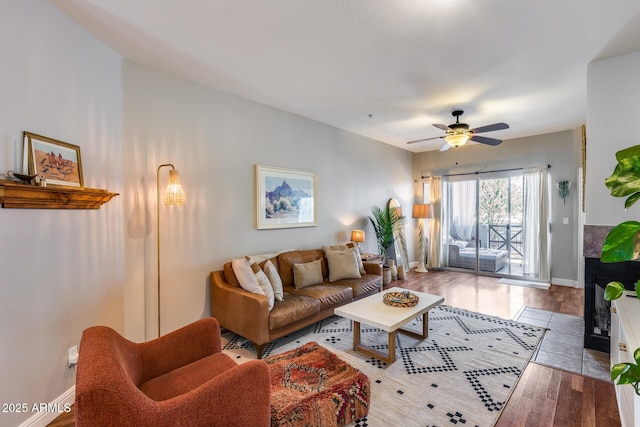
{"x": 357, "y": 236}
{"x": 174, "y": 195}
{"x": 423, "y": 210}
{"x": 457, "y": 139}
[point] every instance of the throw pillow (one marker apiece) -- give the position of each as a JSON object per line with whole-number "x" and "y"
{"x": 246, "y": 276}
{"x": 274, "y": 279}
{"x": 263, "y": 281}
{"x": 459, "y": 243}
{"x": 307, "y": 274}
{"x": 343, "y": 265}
{"x": 342, "y": 248}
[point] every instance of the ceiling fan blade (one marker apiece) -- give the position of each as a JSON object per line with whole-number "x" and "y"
{"x": 443, "y": 127}
{"x": 489, "y": 128}
{"x": 445, "y": 147}
{"x": 485, "y": 140}
{"x": 426, "y": 139}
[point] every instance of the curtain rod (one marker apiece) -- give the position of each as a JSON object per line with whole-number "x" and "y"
{"x": 479, "y": 172}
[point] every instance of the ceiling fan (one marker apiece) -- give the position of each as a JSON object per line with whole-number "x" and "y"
{"x": 458, "y": 134}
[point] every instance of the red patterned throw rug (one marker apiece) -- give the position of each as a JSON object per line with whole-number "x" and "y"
{"x": 310, "y": 386}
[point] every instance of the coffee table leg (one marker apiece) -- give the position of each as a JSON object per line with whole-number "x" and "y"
{"x": 390, "y": 357}
{"x": 425, "y": 328}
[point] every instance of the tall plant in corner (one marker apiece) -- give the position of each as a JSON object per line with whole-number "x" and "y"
{"x": 623, "y": 244}
{"x": 384, "y": 222}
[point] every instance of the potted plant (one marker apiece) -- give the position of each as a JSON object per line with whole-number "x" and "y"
{"x": 623, "y": 244}
{"x": 384, "y": 222}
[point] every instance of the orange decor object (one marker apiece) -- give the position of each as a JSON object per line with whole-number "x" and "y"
{"x": 310, "y": 386}
{"x": 181, "y": 378}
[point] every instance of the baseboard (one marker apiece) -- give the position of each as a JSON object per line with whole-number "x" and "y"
{"x": 565, "y": 282}
{"x": 45, "y": 415}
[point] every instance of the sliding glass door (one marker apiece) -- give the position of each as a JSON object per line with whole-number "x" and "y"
{"x": 482, "y": 223}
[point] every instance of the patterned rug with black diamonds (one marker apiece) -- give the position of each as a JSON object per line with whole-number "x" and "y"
{"x": 463, "y": 374}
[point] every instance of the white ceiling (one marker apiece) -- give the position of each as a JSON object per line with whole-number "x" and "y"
{"x": 385, "y": 69}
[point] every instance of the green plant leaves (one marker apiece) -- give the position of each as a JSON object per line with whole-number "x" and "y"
{"x": 622, "y": 243}
{"x": 384, "y": 221}
{"x": 614, "y": 290}
{"x": 625, "y": 180}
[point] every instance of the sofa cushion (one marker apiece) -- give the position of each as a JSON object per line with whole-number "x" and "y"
{"x": 292, "y": 309}
{"x": 329, "y": 296}
{"x": 229, "y": 275}
{"x": 286, "y": 260}
{"x": 343, "y": 264}
{"x": 187, "y": 378}
{"x": 307, "y": 274}
{"x": 368, "y": 284}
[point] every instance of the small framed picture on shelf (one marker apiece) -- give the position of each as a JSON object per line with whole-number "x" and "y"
{"x": 56, "y": 161}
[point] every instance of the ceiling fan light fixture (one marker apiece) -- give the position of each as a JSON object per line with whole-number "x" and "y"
{"x": 457, "y": 139}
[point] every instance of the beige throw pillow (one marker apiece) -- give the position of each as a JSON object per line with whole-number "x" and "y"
{"x": 263, "y": 281}
{"x": 307, "y": 274}
{"x": 343, "y": 264}
{"x": 246, "y": 276}
{"x": 347, "y": 246}
{"x": 276, "y": 282}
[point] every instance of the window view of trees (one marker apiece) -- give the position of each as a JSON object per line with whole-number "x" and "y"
{"x": 494, "y": 201}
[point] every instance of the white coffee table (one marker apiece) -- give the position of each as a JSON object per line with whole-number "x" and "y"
{"x": 373, "y": 312}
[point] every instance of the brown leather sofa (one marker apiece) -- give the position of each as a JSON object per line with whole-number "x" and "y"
{"x": 247, "y": 314}
{"x": 181, "y": 378}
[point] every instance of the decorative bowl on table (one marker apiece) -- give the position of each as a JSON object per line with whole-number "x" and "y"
{"x": 400, "y": 299}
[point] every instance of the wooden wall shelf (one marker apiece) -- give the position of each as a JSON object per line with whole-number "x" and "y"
{"x": 23, "y": 196}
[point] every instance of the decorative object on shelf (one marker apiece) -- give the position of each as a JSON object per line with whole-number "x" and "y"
{"x": 400, "y": 299}
{"x": 285, "y": 198}
{"x": 384, "y": 222}
{"x": 422, "y": 211}
{"x": 621, "y": 245}
{"x": 27, "y": 179}
{"x": 357, "y": 236}
{"x": 563, "y": 190}
{"x": 173, "y": 196}
{"x": 56, "y": 161}
{"x": 393, "y": 268}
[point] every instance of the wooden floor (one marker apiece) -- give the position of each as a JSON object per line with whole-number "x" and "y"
{"x": 544, "y": 396}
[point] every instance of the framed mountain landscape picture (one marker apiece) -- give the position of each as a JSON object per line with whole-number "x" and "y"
{"x": 56, "y": 161}
{"x": 285, "y": 198}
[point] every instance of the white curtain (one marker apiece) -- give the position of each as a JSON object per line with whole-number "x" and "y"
{"x": 463, "y": 196}
{"x": 434, "y": 225}
{"x": 535, "y": 224}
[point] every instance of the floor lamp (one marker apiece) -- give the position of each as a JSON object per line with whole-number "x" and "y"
{"x": 173, "y": 196}
{"x": 422, "y": 211}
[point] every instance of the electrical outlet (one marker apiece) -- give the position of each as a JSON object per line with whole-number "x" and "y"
{"x": 73, "y": 356}
{"x": 565, "y": 221}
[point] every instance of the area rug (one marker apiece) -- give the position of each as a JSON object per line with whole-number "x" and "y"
{"x": 463, "y": 374}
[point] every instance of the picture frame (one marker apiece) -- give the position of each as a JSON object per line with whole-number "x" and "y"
{"x": 56, "y": 161}
{"x": 285, "y": 198}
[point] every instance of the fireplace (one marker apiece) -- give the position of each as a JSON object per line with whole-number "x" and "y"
{"x": 597, "y": 318}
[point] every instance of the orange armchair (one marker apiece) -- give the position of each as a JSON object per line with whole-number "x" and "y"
{"x": 181, "y": 378}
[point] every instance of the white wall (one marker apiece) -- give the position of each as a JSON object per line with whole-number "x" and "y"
{"x": 561, "y": 150}
{"x": 214, "y": 139}
{"x": 61, "y": 270}
{"x": 613, "y": 111}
